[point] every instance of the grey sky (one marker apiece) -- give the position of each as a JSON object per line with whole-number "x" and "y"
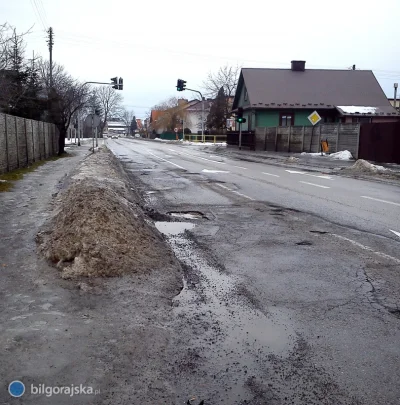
{"x": 147, "y": 43}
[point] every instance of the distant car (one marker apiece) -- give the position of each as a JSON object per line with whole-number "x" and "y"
{"x": 137, "y": 135}
{"x": 114, "y": 137}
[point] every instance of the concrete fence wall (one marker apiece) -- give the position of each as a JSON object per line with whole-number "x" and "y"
{"x": 307, "y": 139}
{"x": 24, "y": 141}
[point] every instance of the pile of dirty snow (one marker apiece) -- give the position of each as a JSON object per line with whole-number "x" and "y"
{"x": 363, "y": 166}
{"x": 98, "y": 228}
{"x": 342, "y": 155}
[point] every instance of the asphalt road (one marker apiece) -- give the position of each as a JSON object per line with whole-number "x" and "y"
{"x": 292, "y": 286}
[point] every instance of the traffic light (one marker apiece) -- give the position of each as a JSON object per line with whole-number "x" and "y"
{"x": 239, "y": 116}
{"x": 181, "y": 85}
{"x": 114, "y": 82}
{"x": 120, "y": 84}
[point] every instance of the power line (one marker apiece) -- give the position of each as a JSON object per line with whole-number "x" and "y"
{"x": 44, "y": 12}
{"x": 39, "y": 14}
{"x": 82, "y": 40}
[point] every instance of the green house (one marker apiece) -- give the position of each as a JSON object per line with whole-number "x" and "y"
{"x": 287, "y": 97}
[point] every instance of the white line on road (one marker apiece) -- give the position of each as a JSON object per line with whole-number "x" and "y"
{"x": 214, "y": 171}
{"x": 396, "y": 233}
{"x": 236, "y": 192}
{"x": 312, "y": 184}
{"x": 243, "y": 195}
{"x": 165, "y": 160}
{"x": 295, "y": 172}
{"x": 270, "y": 174}
{"x": 240, "y": 167}
{"x": 321, "y": 176}
{"x": 198, "y": 157}
{"x": 384, "y": 255}
{"x": 384, "y": 201}
{"x": 226, "y": 188}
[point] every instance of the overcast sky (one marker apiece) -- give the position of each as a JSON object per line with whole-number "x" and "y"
{"x": 153, "y": 43}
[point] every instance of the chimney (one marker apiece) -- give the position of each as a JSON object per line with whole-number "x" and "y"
{"x": 298, "y": 65}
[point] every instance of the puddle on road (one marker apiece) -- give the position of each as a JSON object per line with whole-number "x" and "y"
{"x": 173, "y": 228}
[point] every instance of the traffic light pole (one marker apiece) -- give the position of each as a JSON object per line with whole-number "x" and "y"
{"x": 202, "y": 113}
{"x": 240, "y": 136}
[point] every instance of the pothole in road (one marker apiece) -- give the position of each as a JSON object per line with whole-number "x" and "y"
{"x": 187, "y": 214}
{"x": 304, "y": 243}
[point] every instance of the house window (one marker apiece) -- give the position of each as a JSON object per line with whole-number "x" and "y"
{"x": 361, "y": 120}
{"x": 246, "y": 96}
{"x": 286, "y": 119}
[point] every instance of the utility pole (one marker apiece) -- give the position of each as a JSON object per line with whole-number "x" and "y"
{"x": 50, "y": 42}
{"x": 395, "y": 95}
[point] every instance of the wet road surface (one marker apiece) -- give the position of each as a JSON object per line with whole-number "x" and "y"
{"x": 291, "y": 289}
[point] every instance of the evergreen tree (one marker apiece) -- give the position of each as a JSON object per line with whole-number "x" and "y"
{"x": 216, "y": 118}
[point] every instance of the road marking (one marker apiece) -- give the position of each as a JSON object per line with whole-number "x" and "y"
{"x": 214, "y": 171}
{"x": 353, "y": 242}
{"x": 295, "y": 171}
{"x": 240, "y": 167}
{"x": 236, "y": 192}
{"x": 384, "y": 201}
{"x": 270, "y": 174}
{"x": 396, "y": 233}
{"x": 226, "y": 188}
{"x": 198, "y": 157}
{"x": 312, "y": 184}
{"x": 165, "y": 160}
{"x": 321, "y": 176}
{"x": 243, "y": 195}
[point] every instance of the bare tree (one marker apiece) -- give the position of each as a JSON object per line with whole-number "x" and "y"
{"x": 226, "y": 77}
{"x": 110, "y": 103}
{"x": 65, "y": 98}
{"x": 127, "y": 118}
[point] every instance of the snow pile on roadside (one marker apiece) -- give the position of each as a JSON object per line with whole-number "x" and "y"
{"x": 363, "y": 166}
{"x": 342, "y": 155}
{"x": 313, "y": 154}
{"x": 292, "y": 159}
{"x": 204, "y": 144}
{"x": 98, "y": 228}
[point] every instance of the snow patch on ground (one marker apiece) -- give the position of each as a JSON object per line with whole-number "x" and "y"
{"x": 342, "y": 155}
{"x": 364, "y": 166}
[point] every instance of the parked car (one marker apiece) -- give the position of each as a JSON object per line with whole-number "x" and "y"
{"x": 114, "y": 137}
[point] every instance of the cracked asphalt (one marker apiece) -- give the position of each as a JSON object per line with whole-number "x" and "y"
{"x": 291, "y": 288}
{"x": 290, "y": 291}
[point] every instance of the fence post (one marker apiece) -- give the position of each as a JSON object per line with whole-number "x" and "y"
{"x": 265, "y": 138}
{"x": 358, "y": 140}
{"x": 337, "y": 138}
{"x": 302, "y": 139}
{"x": 319, "y": 139}
{"x": 276, "y": 139}
{"x": 16, "y": 139}
{"x": 26, "y": 144}
{"x": 5, "y": 126}
{"x": 33, "y": 143}
{"x": 288, "y": 140}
